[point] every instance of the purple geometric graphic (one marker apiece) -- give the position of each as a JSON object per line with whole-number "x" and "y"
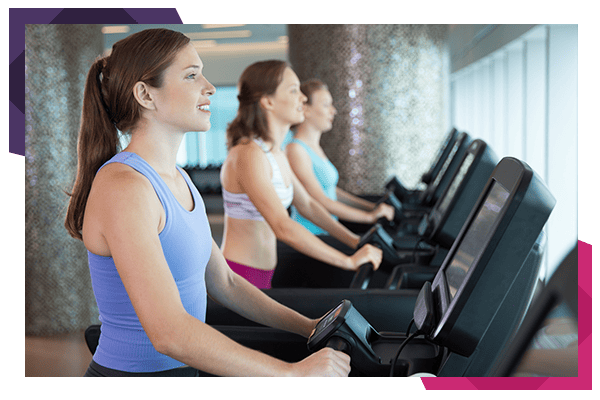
{"x": 18, "y": 17}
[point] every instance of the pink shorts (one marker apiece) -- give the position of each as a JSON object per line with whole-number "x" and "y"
{"x": 258, "y": 277}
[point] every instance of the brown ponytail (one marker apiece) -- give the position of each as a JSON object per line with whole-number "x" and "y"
{"x": 98, "y": 141}
{"x": 109, "y": 106}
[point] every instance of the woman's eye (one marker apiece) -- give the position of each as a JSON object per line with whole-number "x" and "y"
{"x": 191, "y": 76}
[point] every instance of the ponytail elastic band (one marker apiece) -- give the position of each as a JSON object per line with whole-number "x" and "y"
{"x": 99, "y": 80}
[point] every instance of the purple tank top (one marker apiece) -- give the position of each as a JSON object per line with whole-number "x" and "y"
{"x": 187, "y": 243}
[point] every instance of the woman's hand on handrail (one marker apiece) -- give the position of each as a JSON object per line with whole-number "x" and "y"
{"x": 366, "y": 254}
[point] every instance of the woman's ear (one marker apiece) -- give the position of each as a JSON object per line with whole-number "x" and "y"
{"x": 266, "y": 102}
{"x": 142, "y": 95}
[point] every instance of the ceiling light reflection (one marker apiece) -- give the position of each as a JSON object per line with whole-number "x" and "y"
{"x": 219, "y": 35}
{"x": 215, "y": 26}
{"x": 115, "y": 29}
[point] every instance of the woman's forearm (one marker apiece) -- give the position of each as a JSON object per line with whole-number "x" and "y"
{"x": 353, "y": 201}
{"x": 200, "y": 346}
{"x": 299, "y": 238}
{"x": 318, "y": 215}
{"x": 348, "y": 213}
{"x": 236, "y": 293}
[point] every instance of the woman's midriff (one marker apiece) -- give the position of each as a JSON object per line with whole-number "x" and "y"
{"x": 250, "y": 243}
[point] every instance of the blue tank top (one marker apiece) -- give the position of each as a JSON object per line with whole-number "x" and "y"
{"x": 187, "y": 243}
{"x": 328, "y": 177}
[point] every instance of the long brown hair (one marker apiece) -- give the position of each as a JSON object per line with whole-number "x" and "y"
{"x": 109, "y": 106}
{"x": 257, "y": 80}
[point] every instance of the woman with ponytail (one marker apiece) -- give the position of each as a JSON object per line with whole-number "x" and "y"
{"x": 259, "y": 185}
{"x": 151, "y": 255}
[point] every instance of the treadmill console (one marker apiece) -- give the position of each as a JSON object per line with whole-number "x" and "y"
{"x": 485, "y": 280}
{"x": 346, "y": 323}
{"x": 344, "y": 328}
{"x": 488, "y": 258}
{"x": 440, "y": 157}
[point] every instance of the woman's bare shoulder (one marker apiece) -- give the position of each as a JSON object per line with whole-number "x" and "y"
{"x": 116, "y": 177}
{"x": 246, "y": 153}
{"x": 294, "y": 149}
{"x": 298, "y": 158}
{"x": 121, "y": 189}
{"x": 119, "y": 197}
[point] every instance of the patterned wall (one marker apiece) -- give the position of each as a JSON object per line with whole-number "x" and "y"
{"x": 390, "y": 85}
{"x": 58, "y": 294}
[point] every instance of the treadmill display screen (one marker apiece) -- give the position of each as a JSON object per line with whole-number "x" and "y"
{"x": 442, "y": 149}
{"x": 328, "y": 319}
{"x": 475, "y": 238}
{"x": 456, "y": 183}
{"x": 440, "y": 174}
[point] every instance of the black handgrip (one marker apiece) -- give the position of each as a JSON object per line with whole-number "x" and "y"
{"x": 337, "y": 343}
{"x": 368, "y": 236}
{"x": 362, "y": 277}
{"x": 390, "y": 198}
{"x": 383, "y": 221}
{"x": 389, "y": 226}
{"x": 397, "y": 187}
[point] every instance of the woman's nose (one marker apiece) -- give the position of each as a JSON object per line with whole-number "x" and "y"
{"x": 209, "y": 89}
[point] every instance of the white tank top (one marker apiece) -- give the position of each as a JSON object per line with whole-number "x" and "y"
{"x": 238, "y": 205}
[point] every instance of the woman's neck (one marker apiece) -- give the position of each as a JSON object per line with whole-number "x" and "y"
{"x": 278, "y": 133}
{"x": 159, "y": 149}
{"x": 309, "y": 135}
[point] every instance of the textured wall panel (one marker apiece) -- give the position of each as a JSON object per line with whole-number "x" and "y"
{"x": 58, "y": 293}
{"x": 390, "y": 86}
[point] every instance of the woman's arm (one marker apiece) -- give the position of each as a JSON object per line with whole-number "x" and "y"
{"x": 360, "y": 210}
{"x": 236, "y": 293}
{"x": 316, "y": 213}
{"x": 131, "y": 216}
{"x": 253, "y": 175}
{"x": 353, "y": 201}
{"x": 381, "y": 210}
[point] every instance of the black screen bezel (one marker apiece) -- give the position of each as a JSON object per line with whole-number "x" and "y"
{"x": 512, "y": 177}
{"x": 439, "y": 158}
{"x": 484, "y": 245}
{"x": 438, "y": 216}
{"x": 437, "y": 180}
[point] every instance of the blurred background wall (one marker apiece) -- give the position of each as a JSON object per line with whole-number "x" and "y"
{"x": 58, "y": 294}
{"x": 390, "y": 85}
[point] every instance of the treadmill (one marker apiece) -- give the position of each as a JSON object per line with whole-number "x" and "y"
{"x": 404, "y": 200}
{"x": 408, "y": 215}
{"x": 437, "y": 229}
{"x": 420, "y": 200}
{"x": 463, "y": 319}
{"x": 407, "y": 196}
